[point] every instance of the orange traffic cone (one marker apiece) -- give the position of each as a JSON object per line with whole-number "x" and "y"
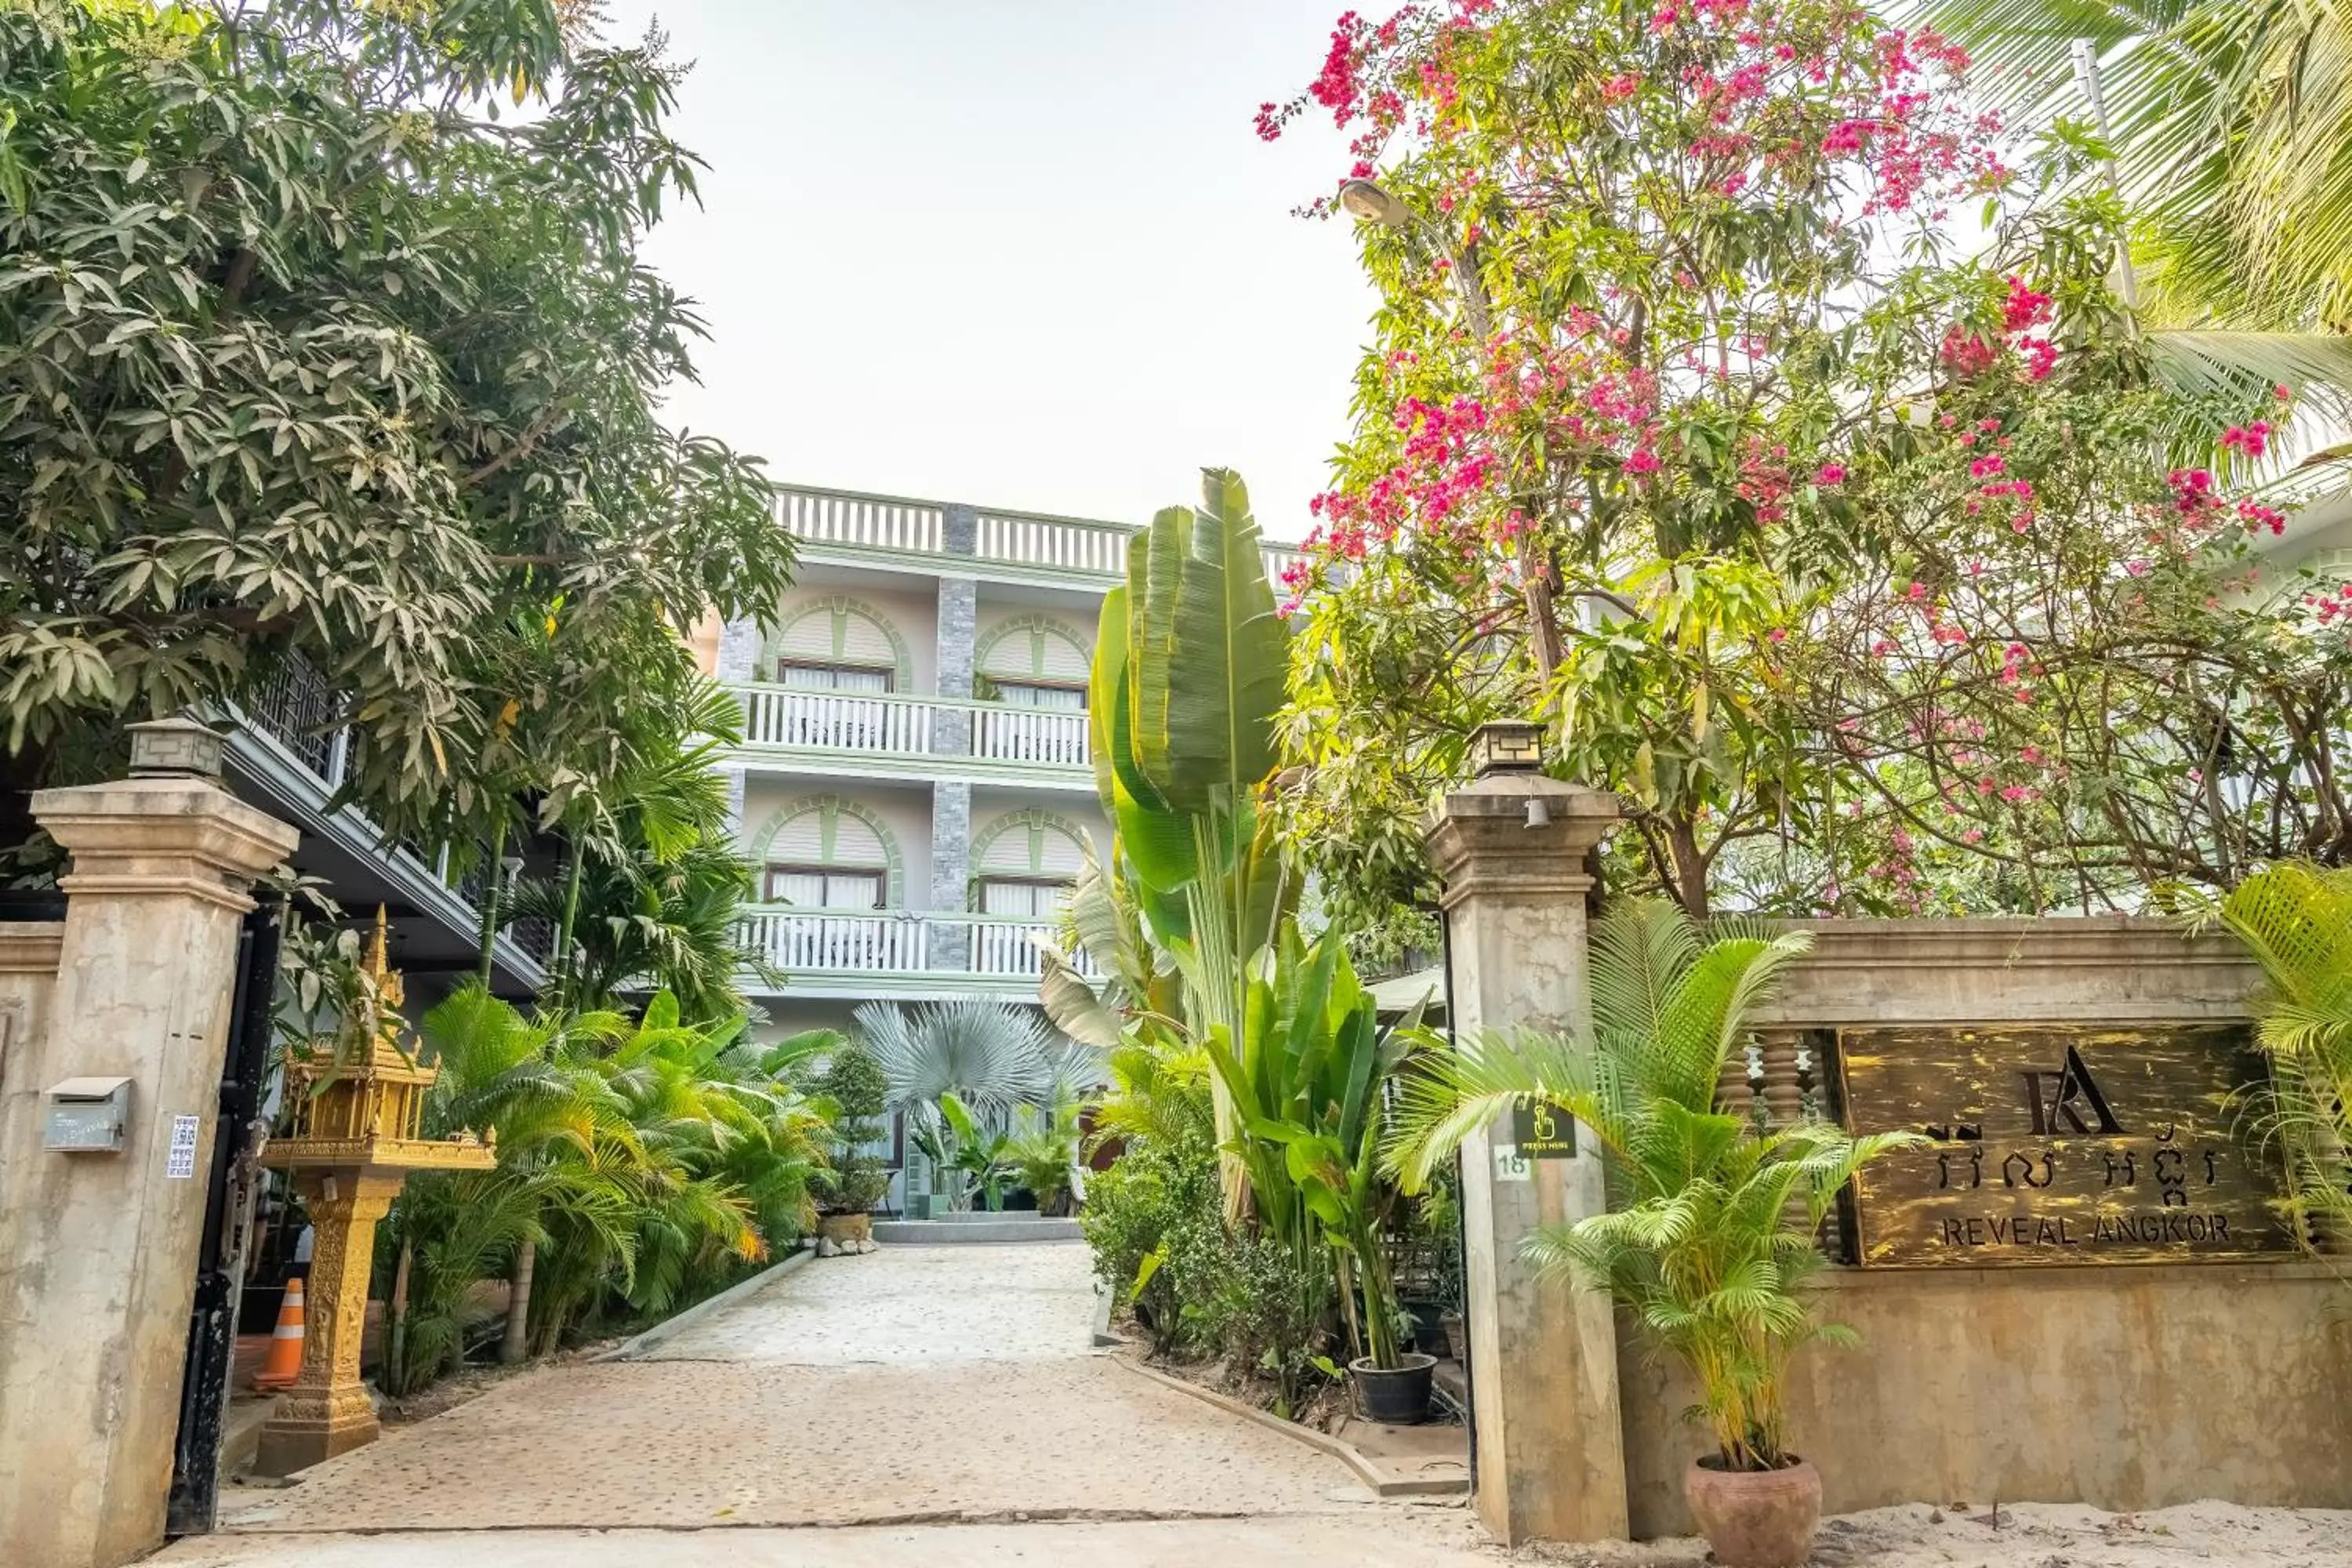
{"x": 284, "y": 1363}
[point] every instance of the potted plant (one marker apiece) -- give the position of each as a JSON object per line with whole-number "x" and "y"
{"x": 1309, "y": 1085}
{"x": 853, "y": 1083}
{"x": 1713, "y": 1214}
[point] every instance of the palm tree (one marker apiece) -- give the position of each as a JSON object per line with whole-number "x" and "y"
{"x": 978, "y": 1056}
{"x": 2296, "y": 919}
{"x": 565, "y": 1147}
{"x": 989, "y": 1055}
{"x": 1699, "y": 1239}
{"x": 649, "y": 893}
{"x": 2230, "y": 123}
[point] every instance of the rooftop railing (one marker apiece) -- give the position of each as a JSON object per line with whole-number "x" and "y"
{"x": 901, "y": 525}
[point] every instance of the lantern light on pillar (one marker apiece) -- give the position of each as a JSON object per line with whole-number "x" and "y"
{"x": 1507, "y": 745}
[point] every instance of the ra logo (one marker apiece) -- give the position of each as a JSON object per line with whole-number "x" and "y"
{"x": 2073, "y": 1091}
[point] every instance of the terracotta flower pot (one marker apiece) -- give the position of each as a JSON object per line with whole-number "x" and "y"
{"x": 1756, "y": 1519}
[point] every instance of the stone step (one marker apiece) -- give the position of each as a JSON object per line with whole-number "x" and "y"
{"x": 970, "y": 1228}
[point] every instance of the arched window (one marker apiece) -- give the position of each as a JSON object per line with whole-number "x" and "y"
{"x": 838, "y": 644}
{"x": 827, "y": 853}
{"x": 1025, "y": 862}
{"x": 1035, "y": 662}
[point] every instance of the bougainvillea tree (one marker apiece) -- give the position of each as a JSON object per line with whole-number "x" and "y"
{"x": 1691, "y": 317}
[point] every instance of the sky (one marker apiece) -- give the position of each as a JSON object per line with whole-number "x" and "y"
{"x": 1016, "y": 253}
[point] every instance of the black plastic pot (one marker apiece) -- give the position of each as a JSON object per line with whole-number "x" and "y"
{"x": 1398, "y": 1396}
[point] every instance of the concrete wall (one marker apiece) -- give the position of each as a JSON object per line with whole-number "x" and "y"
{"x": 28, "y": 972}
{"x": 2125, "y": 1387}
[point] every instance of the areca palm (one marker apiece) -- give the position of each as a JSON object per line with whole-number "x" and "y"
{"x": 566, "y": 1149}
{"x": 2296, "y": 919}
{"x": 1712, "y": 1216}
{"x": 2232, "y": 125}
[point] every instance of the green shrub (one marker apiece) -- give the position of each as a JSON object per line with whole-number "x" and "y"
{"x": 1265, "y": 1308}
{"x": 1155, "y": 1202}
{"x": 855, "y": 1083}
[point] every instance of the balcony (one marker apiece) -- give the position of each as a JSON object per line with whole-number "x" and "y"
{"x": 903, "y": 954}
{"x": 914, "y": 737}
{"x": 290, "y": 744}
{"x": 1021, "y": 545}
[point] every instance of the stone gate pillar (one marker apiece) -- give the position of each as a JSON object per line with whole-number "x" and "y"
{"x": 98, "y": 1251}
{"x": 1514, "y": 850}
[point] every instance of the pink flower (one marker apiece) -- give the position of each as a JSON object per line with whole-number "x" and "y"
{"x": 2040, "y": 359}
{"x": 1663, "y": 18}
{"x": 1641, "y": 461}
{"x": 2024, "y": 308}
{"x": 1986, "y": 467}
{"x": 2247, "y": 438}
{"x": 1777, "y": 634}
{"x": 1618, "y": 89}
{"x": 1830, "y": 474}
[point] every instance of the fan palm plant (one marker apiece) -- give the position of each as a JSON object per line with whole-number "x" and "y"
{"x": 2296, "y": 919}
{"x": 1700, "y": 1240}
{"x": 989, "y": 1055}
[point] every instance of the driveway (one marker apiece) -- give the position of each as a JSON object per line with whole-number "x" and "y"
{"x": 944, "y": 1401}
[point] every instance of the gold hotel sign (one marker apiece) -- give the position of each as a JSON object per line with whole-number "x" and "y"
{"x": 2051, "y": 1144}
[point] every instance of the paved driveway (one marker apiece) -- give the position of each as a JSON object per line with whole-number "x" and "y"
{"x": 941, "y": 1404}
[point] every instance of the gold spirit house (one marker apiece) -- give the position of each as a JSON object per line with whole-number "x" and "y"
{"x": 2075, "y": 1287}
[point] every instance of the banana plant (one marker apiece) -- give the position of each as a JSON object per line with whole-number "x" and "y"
{"x": 1308, "y": 1088}
{"x": 1188, "y": 676}
{"x": 953, "y": 1140}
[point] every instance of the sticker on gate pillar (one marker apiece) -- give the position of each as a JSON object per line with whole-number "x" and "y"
{"x": 180, "y": 1163}
{"x": 1510, "y": 1165}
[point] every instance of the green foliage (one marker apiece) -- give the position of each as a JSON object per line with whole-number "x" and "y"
{"x": 1042, "y": 1150}
{"x": 2219, "y": 112}
{"x": 305, "y": 355}
{"x": 2296, "y": 919}
{"x": 1148, "y": 1195}
{"x": 652, "y": 885}
{"x": 989, "y": 1055}
{"x": 1712, "y": 1218}
{"x": 853, "y": 1086}
{"x": 1307, "y": 1086}
{"x": 1186, "y": 682}
{"x": 646, "y": 1161}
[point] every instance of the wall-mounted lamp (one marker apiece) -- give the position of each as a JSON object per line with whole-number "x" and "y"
{"x": 1506, "y": 746}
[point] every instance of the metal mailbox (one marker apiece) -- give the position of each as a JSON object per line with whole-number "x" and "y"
{"x": 87, "y": 1116}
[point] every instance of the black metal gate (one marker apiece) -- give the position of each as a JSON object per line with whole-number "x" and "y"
{"x": 232, "y": 1185}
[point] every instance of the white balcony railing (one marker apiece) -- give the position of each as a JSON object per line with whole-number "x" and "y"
{"x": 1027, "y": 539}
{"x": 913, "y": 726}
{"x": 871, "y": 523}
{"x": 900, "y": 525}
{"x": 897, "y": 942}
{"x": 1029, "y": 735}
